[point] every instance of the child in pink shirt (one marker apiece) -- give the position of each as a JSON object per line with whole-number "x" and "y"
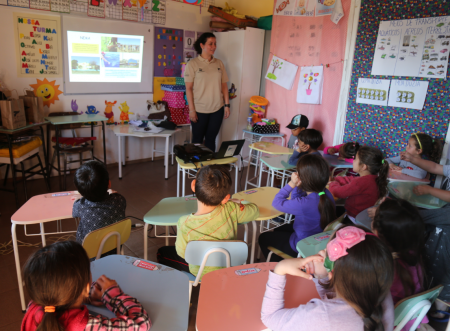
{"x": 346, "y": 151}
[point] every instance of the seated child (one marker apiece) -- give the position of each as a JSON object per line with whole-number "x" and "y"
{"x": 297, "y": 125}
{"x": 58, "y": 281}
{"x": 364, "y": 191}
{"x": 96, "y": 208}
{"x": 309, "y": 141}
{"x": 217, "y": 217}
{"x": 346, "y": 151}
{"x": 398, "y": 224}
{"x": 352, "y": 295}
{"x": 419, "y": 144}
{"x": 310, "y": 202}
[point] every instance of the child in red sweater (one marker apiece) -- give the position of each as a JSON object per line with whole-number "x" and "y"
{"x": 362, "y": 192}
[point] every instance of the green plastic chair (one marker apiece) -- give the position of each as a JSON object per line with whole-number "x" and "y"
{"x": 313, "y": 244}
{"x": 415, "y": 306}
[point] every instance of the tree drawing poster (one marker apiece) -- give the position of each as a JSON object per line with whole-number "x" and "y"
{"x": 310, "y": 85}
{"x": 281, "y": 72}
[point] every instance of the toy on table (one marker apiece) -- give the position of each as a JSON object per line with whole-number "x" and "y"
{"x": 249, "y": 124}
{"x": 124, "y": 112}
{"x": 258, "y": 108}
{"x": 74, "y": 105}
{"x": 91, "y": 110}
{"x": 109, "y": 112}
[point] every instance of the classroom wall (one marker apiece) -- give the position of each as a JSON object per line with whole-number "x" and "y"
{"x": 181, "y": 16}
{"x": 389, "y": 127}
{"x": 256, "y": 8}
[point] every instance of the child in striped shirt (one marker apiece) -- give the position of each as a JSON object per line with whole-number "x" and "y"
{"x": 217, "y": 217}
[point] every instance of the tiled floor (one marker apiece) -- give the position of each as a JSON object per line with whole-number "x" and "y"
{"x": 143, "y": 185}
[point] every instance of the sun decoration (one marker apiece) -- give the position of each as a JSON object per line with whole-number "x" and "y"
{"x": 47, "y": 90}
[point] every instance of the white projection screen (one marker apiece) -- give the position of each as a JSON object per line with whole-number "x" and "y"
{"x": 102, "y": 56}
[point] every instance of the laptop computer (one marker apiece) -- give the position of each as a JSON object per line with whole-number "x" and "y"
{"x": 229, "y": 149}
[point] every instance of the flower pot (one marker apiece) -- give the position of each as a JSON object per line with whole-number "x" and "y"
{"x": 308, "y": 91}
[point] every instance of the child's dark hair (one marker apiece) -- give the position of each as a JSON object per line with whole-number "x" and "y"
{"x": 92, "y": 181}
{"x": 311, "y": 137}
{"x": 400, "y": 226}
{"x": 57, "y": 275}
{"x": 202, "y": 40}
{"x": 212, "y": 184}
{"x": 349, "y": 150}
{"x": 314, "y": 173}
{"x": 373, "y": 158}
{"x": 363, "y": 278}
{"x": 430, "y": 146}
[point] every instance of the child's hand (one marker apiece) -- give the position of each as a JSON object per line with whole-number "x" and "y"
{"x": 394, "y": 167}
{"x": 372, "y": 211}
{"x": 341, "y": 158}
{"x": 421, "y": 189}
{"x": 303, "y": 148}
{"x": 319, "y": 270}
{"x": 295, "y": 180}
{"x": 297, "y": 267}
{"x": 101, "y": 285}
{"x": 110, "y": 191}
{"x": 331, "y": 151}
{"x": 405, "y": 156}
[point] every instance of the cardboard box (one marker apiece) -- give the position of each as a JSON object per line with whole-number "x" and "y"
{"x": 239, "y": 22}
{"x": 13, "y": 114}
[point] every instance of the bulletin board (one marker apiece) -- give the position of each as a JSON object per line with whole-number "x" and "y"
{"x": 388, "y": 128}
{"x": 168, "y": 52}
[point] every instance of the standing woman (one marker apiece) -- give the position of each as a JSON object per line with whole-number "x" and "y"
{"x": 207, "y": 92}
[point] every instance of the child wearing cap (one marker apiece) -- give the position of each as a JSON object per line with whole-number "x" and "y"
{"x": 297, "y": 125}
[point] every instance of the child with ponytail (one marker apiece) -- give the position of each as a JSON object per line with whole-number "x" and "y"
{"x": 362, "y": 192}
{"x": 419, "y": 144}
{"x": 346, "y": 151}
{"x": 58, "y": 280}
{"x": 310, "y": 202}
{"x": 352, "y": 276}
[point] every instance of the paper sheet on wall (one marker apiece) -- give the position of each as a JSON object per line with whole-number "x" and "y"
{"x": 189, "y": 39}
{"x": 295, "y": 8}
{"x": 415, "y": 48}
{"x": 310, "y": 85}
{"x": 145, "y": 11}
{"x": 159, "y": 12}
{"x": 79, "y": 6}
{"x": 338, "y": 12}
{"x": 281, "y": 72}
{"x": 40, "y": 4}
{"x": 408, "y": 93}
{"x": 96, "y": 8}
{"x": 60, "y": 6}
{"x": 38, "y": 46}
{"x": 130, "y": 10}
{"x": 373, "y": 91}
{"x": 3, "y": 2}
{"x": 19, "y": 3}
{"x": 113, "y": 9}
{"x": 324, "y": 7}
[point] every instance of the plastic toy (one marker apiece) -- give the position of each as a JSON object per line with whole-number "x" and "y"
{"x": 258, "y": 108}
{"x": 232, "y": 92}
{"x": 124, "y": 112}
{"x": 109, "y": 112}
{"x": 91, "y": 110}
{"x": 74, "y": 105}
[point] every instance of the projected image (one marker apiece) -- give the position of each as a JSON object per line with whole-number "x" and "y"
{"x": 85, "y": 65}
{"x": 123, "y": 45}
{"x": 129, "y": 60}
{"x": 110, "y": 60}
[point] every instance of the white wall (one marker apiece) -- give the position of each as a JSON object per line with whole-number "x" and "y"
{"x": 180, "y": 16}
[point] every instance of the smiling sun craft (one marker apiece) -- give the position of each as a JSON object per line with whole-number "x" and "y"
{"x": 47, "y": 90}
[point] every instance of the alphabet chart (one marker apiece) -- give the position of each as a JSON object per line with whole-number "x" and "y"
{"x": 114, "y": 9}
{"x": 40, "y": 4}
{"x": 159, "y": 12}
{"x": 415, "y": 48}
{"x": 130, "y": 10}
{"x": 61, "y": 6}
{"x": 96, "y": 8}
{"x": 19, "y": 3}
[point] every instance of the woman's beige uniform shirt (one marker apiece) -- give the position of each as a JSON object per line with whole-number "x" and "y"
{"x": 207, "y": 78}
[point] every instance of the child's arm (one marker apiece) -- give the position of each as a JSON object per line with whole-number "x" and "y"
{"x": 343, "y": 187}
{"x": 426, "y": 165}
{"x": 281, "y": 202}
{"x": 182, "y": 240}
{"x": 247, "y": 212}
{"x": 436, "y": 192}
{"x": 415, "y": 172}
{"x": 395, "y": 159}
{"x": 295, "y": 156}
{"x": 130, "y": 313}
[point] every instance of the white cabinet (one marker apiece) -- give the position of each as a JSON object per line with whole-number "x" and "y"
{"x": 241, "y": 51}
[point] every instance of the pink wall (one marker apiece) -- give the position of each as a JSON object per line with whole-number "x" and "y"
{"x": 309, "y": 41}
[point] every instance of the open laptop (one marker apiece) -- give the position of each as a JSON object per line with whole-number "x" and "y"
{"x": 229, "y": 149}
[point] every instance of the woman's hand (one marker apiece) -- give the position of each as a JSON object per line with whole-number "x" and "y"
{"x": 193, "y": 116}
{"x": 298, "y": 267}
{"x": 227, "y": 112}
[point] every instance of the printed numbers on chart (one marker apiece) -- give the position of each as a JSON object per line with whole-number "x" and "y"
{"x": 310, "y": 13}
{"x": 288, "y": 12}
{"x": 189, "y": 41}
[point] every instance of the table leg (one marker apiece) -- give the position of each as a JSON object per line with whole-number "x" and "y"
{"x": 104, "y": 142}
{"x": 166, "y": 158}
{"x": 124, "y": 141}
{"x": 45, "y": 151}
{"x": 260, "y": 175}
{"x": 183, "y": 179}
{"x": 167, "y": 234}
{"x": 120, "y": 155}
{"x": 236, "y": 169}
{"x": 178, "y": 180}
{"x": 19, "y": 273}
{"x": 153, "y": 148}
{"x": 273, "y": 177}
{"x": 246, "y": 177}
{"x": 145, "y": 240}
{"x": 246, "y": 233}
{"x": 252, "y": 254}
{"x": 49, "y": 166}
{"x": 13, "y": 170}
{"x": 44, "y": 243}
{"x": 57, "y": 155}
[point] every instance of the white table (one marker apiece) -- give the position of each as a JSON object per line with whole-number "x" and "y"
{"x": 127, "y": 131}
{"x": 164, "y": 293}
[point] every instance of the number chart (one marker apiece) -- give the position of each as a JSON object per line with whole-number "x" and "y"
{"x": 168, "y": 50}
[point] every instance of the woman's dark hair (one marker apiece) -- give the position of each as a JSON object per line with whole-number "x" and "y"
{"x": 311, "y": 137}
{"x": 363, "y": 278}
{"x": 212, "y": 184}
{"x": 431, "y": 147}
{"x": 314, "y": 173}
{"x": 92, "y": 181}
{"x": 400, "y": 226}
{"x": 349, "y": 150}
{"x": 202, "y": 40}
{"x": 57, "y": 275}
{"x": 373, "y": 158}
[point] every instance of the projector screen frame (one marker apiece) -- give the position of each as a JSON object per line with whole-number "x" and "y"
{"x": 83, "y": 24}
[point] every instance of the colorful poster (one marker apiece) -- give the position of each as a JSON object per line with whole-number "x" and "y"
{"x": 79, "y": 6}
{"x": 281, "y": 72}
{"x": 373, "y": 91}
{"x": 159, "y": 12}
{"x": 168, "y": 50}
{"x": 130, "y": 10}
{"x": 60, "y": 6}
{"x": 413, "y": 48}
{"x": 189, "y": 55}
{"x": 113, "y": 9}
{"x": 145, "y": 11}
{"x": 310, "y": 85}
{"x": 189, "y": 39}
{"x": 295, "y": 8}
{"x": 158, "y": 94}
{"x": 40, "y": 4}
{"x": 96, "y": 8}
{"x": 408, "y": 93}
{"x": 324, "y": 7}
{"x": 19, "y": 3}
{"x": 38, "y": 45}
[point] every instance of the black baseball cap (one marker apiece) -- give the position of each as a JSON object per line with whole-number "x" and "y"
{"x": 298, "y": 121}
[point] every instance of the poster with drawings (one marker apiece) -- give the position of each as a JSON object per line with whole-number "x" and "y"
{"x": 414, "y": 48}
{"x": 373, "y": 91}
{"x": 281, "y": 72}
{"x": 114, "y": 9}
{"x": 295, "y": 7}
{"x": 130, "y": 10}
{"x": 145, "y": 11}
{"x": 159, "y": 12}
{"x": 408, "y": 93}
{"x": 325, "y": 7}
{"x": 96, "y": 8}
{"x": 310, "y": 85}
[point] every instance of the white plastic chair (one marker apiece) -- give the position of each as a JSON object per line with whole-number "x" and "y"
{"x": 221, "y": 253}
